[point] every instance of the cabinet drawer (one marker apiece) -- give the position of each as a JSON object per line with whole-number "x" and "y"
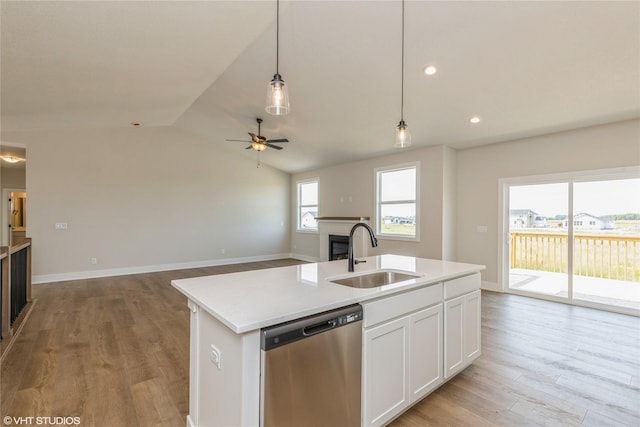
{"x": 400, "y": 304}
{"x": 461, "y": 286}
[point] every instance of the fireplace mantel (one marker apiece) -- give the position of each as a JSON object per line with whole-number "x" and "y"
{"x": 343, "y": 218}
{"x": 341, "y": 225}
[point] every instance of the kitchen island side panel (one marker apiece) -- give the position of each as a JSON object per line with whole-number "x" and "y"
{"x": 227, "y": 377}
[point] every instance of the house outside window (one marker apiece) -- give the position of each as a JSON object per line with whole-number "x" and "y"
{"x": 308, "y": 205}
{"x": 397, "y": 213}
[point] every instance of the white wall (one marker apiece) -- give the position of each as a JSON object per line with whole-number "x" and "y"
{"x": 479, "y": 169}
{"x": 12, "y": 177}
{"x": 348, "y": 190}
{"x": 142, "y": 199}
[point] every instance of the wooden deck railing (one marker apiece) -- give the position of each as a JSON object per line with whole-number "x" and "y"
{"x": 595, "y": 255}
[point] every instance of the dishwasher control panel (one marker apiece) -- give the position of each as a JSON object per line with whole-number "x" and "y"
{"x": 353, "y": 317}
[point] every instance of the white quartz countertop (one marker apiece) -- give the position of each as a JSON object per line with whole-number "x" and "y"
{"x": 251, "y": 300}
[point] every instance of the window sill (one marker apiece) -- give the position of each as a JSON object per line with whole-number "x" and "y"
{"x": 398, "y": 237}
{"x": 307, "y": 231}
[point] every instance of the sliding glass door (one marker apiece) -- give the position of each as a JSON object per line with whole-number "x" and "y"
{"x": 574, "y": 239}
{"x": 606, "y": 242}
{"x": 538, "y": 246}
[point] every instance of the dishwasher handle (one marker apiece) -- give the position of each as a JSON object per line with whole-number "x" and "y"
{"x": 306, "y": 327}
{"x": 319, "y": 327}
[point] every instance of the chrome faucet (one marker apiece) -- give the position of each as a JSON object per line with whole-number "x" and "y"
{"x": 374, "y": 243}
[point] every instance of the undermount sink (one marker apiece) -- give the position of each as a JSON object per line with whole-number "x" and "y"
{"x": 375, "y": 279}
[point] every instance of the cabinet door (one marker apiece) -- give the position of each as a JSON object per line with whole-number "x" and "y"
{"x": 385, "y": 366}
{"x": 472, "y": 329}
{"x": 454, "y": 356}
{"x": 426, "y": 351}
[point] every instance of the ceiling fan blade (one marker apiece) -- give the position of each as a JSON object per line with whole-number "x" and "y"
{"x": 249, "y": 147}
{"x": 273, "y": 146}
{"x": 236, "y": 140}
{"x": 278, "y": 140}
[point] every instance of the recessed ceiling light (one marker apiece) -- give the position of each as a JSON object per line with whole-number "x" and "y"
{"x": 430, "y": 70}
{"x": 475, "y": 120}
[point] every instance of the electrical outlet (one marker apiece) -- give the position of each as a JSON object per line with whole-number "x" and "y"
{"x": 482, "y": 229}
{"x": 94, "y": 261}
{"x": 61, "y": 226}
{"x": 216, "y": 356}
{"x": 223, "y": 251}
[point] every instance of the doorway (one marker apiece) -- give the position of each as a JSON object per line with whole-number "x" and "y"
{"x": 13, "y": 179}
{"x": 574, "y": 238}
{"x": 14, "y": 215}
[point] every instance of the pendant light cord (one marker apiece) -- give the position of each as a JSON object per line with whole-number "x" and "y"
{"x": 278, "y": 35}
{"x": 402, "y": 75}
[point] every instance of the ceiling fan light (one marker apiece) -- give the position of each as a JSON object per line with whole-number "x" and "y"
{"x": 258, "y": 146}
{"x": 277, "y": 96}
{"x": 403, "y": 136}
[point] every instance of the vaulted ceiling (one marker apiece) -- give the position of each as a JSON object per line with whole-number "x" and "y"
{"x": 525, "y": 68}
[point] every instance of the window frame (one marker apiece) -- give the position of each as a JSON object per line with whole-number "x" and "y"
{"x": 378, "y": 172}
{"x": 300, "y": 206}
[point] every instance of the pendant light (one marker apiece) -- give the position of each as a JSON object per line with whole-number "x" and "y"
{"x": 277, "y": 93}
{"x": 403, "y": 136}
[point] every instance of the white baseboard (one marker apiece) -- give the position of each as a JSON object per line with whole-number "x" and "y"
{"x": 305, "y": 257}
{"x": 78, "y": 275}
{"x": 490, "y": 286}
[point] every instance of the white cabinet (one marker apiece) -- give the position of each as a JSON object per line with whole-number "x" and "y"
{"x": 402, "y": 356}
{"x": 426, "y": 352}
{"x": 472, "y": 326}
{"x": 461, "y": 331}
{"x": 386, "y": 363}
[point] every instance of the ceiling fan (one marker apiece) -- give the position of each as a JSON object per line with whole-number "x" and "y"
{"x": 259, "y": 142}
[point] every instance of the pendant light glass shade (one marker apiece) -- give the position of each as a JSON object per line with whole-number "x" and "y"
{"x": 403, "y": 136}
{"x": 277, "y": 97}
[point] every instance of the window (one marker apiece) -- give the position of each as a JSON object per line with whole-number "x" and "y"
{"x": 397, "y": 201}
{"x": 308, "y": 205}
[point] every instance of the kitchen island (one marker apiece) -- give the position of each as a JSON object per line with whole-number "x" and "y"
{"x": 229, "y": 310}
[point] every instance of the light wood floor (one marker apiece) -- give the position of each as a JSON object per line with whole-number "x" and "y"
{"x": 114, "y": 352}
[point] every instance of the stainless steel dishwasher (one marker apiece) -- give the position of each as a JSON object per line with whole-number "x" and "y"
{"x": 311, "y": 370}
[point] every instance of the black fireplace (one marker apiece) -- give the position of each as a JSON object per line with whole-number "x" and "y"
{"x": 338, "y": 247}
